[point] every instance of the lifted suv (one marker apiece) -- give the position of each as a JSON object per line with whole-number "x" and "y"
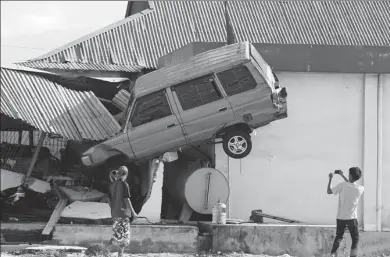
{"x": 223, "y": 93}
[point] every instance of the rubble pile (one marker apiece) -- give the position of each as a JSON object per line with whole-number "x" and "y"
{"x": 59, "y": 189}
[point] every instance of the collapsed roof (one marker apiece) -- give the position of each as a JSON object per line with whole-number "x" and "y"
{"x": 139, "y": 40}
{"x": 51, "y": 108}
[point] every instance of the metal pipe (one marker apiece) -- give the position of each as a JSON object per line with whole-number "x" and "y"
{"x": 379, "y": 156}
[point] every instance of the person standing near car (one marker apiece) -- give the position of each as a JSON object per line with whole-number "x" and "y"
{"x": 122, "y": 211}
{"x": 349, "y": 194}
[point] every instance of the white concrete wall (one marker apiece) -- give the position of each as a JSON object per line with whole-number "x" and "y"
{"x": 386, "y": 153}
{"x": 287, "y": 172}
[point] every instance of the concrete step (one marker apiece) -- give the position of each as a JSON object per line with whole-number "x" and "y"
{"x": 297, "y": 240}
{"x": 144, "y": 238}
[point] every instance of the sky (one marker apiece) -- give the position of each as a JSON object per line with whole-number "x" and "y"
{"x": 32, "y": 28}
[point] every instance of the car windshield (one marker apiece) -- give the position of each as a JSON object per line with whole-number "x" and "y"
{"x": 129, "y": 104}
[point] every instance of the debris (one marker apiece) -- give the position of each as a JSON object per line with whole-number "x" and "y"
{"x": 57, "y": 247}
{"x": 87, "y": 210}
{"x": 83, "y": 194}
{"x": 258, "y": 215}
{"x": 55, "y": 216}
{"x": 68, "y": 180}
{"x": 170, "y": 157}
{"x": 97, "y": 250}
{"x": 234, "y": 221}
{"x": 10, "y": 179}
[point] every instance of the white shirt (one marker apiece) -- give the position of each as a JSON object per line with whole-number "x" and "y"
{"x": 349, "y": 194}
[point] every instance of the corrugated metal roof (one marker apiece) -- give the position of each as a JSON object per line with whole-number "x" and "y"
{"x": 74, "y": 66}
{"x": 143, "y": 38}
{"x": 54, "y": 109}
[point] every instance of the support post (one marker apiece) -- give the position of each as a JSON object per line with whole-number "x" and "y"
{"x": 20, "y": 136}
{"x": 380, "y": 156}
{"x": 31, "y": 137}
{"x": 370, "y": 152}
{"x": 35, "y": 156}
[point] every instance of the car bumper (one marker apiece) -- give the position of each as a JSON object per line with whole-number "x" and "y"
{"x": 87, "y": 161}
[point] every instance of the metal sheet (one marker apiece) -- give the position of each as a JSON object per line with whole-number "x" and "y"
{"x": 54, "y": 109}
{"x": 82, "y": 66}
{"x": 121, "y": 99}
{"x": 141, "y": 39}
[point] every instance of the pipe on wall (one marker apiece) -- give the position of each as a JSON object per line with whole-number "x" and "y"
{"x": 379, "y": 155}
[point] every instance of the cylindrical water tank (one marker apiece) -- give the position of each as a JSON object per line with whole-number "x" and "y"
{"x": 202, "y": 188}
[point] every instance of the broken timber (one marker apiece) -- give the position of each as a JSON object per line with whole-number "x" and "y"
{"x": 258, "y": 215}
{"x": 55, "y": 216}
{"x": 35, "y": 156}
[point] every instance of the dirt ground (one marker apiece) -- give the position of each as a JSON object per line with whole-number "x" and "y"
{"x": 63, "y": 254}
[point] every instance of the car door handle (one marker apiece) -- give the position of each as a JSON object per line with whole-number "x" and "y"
{"x": 222, "y": 109}
{"x": 171, "y": 125}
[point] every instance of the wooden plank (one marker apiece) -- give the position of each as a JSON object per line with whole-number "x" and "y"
{"x": 55, "y": 216}
{"x": 35, "y": 156}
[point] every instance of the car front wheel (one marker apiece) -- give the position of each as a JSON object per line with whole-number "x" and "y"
{"x": 237, "y": 144}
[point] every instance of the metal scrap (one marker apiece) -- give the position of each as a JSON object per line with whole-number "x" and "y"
{"x": 54, "y": 109}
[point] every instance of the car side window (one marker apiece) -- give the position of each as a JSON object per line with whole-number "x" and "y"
{"x": 197, "y": 92}
{"x": 237, "y": 80}
{"x": 150, "y": 108}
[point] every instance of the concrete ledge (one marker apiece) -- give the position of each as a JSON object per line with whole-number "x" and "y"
{"x": 144, "y": 238}
{"x": 23, "y": 232}
{"x": 295, "y": 240}
{"x": 22, "y": 227}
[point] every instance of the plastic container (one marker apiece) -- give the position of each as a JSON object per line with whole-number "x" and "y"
{"x": 219, "y": 213}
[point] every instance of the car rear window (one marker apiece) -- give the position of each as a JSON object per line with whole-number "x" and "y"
{"x": 237, "y": 80}
{"x": 197, "y": 92}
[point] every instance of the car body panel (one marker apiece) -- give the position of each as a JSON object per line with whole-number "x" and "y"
{"x": 156, "y": 137}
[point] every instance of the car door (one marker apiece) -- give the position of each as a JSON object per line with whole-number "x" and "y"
{"x": 247, "y": 92}
{"x": 153, "y": 127}
{"x": 203, "y": 108}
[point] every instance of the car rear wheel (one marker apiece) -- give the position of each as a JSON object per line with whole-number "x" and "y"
{"x": 237, "y": 144}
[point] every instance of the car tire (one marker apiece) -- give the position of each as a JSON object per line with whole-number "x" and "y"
{"x": 237, "y": 144}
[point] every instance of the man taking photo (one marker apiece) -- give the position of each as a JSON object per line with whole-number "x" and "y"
{"x": 349, "y": 193}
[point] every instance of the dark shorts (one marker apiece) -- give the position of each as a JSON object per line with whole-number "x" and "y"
{"x": 121, "y": 229}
